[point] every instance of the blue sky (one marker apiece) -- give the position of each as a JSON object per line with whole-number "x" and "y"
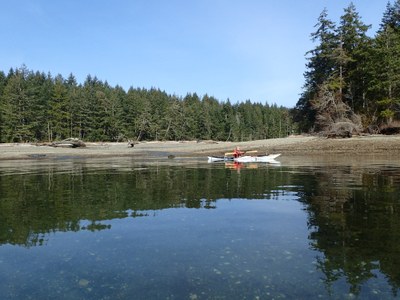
{"x": 237, "y": 50}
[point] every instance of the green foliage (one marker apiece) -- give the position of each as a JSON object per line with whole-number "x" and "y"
{"x": 360, "y": 70}
{"x": 39, "y": 107}
{"x": 387, "y": 113}
{"x": 17, "y": 119}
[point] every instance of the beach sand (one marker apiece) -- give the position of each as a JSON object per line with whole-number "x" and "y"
{"x": 289, "y": 146}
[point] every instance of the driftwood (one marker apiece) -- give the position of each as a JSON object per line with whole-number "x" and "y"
{"x": 69, "y": 143}
{"x": 391, "y": 128}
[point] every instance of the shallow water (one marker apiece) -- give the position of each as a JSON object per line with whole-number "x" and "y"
{"x": 119, "y": 229}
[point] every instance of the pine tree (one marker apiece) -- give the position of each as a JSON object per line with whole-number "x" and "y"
{"x": 130, "y": 113}
{"x": 3, "y": 82}
{"x": 16, "y": 107}
{"x": 93, "y": 109}
{"x": 143, "y": 120}
{"x": 59, "y": 113}
{"x": 118, "y": 129}
{"x": 193, "y": 127}
{"x": 228, "y": 115}
{"x": 174, "y": 118}
{"x": 158, "y": 107}
{"x": 386, "y": 69}
{"x": 211, "y": 118}
{"x": 320, "y": 64}
{"x": 39, "y": 87}
{"x": 74, "y": 106}
{"x": 108, "y": 103}
{"x": 391, "y": 17}
{"x": 352, "y": 57}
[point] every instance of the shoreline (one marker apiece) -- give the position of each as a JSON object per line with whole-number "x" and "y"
{"x": 289, "y": 146}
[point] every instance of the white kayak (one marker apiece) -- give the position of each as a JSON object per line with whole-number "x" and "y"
{"x": 246, "y": 159}
{"x": 219, "y": 158}
{"x": 261, "y": 158}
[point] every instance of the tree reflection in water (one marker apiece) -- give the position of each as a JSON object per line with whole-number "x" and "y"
{"x": 354, "y": 222}
{"x": 53, "y": 201}
{"x": 353, "y": 213}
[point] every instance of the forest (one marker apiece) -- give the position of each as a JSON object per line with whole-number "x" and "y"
{"x": 351, "y": 79}
{"x": 352, "y": 85}
{"x": 39, "y": 107}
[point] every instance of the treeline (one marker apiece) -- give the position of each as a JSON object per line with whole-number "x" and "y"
{"x": 350, "y": 76}
{"x": 37, "y": 107}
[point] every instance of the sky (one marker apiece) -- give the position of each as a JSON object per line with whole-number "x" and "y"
{"x": 229, "y": 49}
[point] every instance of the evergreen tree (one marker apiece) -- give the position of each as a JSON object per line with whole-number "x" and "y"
{"x": 386, "y": 69}
{"x": 237, "y": 124}
{"x": 143, "y": 120}
{"x": 258, "y": 125}
{"x": 391, "y": 17}
{"x": 352, "y": 57}
{"x": 74, "y": 106}
{"x": 320, "y": 65}
{"x": 136, "y": 113}
{"x": 39, "y": 87}
{"x": 3, "y": 82}
{"x": 228, "y": 115}
{"x": 16, "y": 107}
{"x": 174, "y": 118}
{"x": 127, "y": 114}
{"x": 193, "y": 127}
{"x": 273, "y": 122}
{"x": 59, "y": 111}
{"x": 118, "y": 96}
{"x": 213, "y": 121}
{"x": 158, "y": 107}
{"x": 93, "y": 110}
{"x": 108, "y": 101}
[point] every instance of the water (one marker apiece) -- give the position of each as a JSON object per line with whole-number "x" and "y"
{"x": 95, "y": 229}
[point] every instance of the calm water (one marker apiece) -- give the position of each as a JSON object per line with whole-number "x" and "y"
{"x": 123, "y": 230}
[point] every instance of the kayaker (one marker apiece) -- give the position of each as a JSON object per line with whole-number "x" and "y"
{"x": 237, "y": 153}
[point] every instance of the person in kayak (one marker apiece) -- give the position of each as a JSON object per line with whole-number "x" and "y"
{"x": 237, "y": 153}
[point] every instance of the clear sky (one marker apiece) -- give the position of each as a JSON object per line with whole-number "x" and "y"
{"x": 230, "y": 49}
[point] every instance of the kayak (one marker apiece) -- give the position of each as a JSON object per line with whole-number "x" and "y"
{"x": 261, "y": 158}
{"x": 219, "y": 158}
{"x": 245, "y": 159}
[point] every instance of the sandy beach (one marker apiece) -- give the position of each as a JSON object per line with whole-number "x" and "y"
{"x": 290, "y": 146}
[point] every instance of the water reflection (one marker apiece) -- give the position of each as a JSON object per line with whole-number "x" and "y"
{"x": 57, "y": 199}
{"x": 352, "y": 222}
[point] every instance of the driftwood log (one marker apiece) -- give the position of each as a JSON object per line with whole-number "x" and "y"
{"x": 69, "y": 143}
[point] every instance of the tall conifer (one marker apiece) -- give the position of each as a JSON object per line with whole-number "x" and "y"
{"x": 320, "y": 65}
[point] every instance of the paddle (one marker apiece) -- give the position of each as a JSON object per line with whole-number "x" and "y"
{"x": 245, "y": 152}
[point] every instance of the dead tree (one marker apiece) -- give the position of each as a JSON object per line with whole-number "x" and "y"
{"x": 334, "y": 118}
